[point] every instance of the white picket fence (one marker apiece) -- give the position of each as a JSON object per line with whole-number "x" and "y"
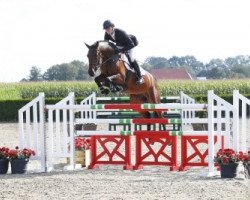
{"x": 221, "y": 109}
{"x": 32, "y": 129}
{"x": 243, "y": 105}
{"x": 185, "y": 99}
{"x": 61, "y": 133}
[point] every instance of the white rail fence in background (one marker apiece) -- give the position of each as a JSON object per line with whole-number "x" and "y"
{"x": 31, "y": 129}
{"x": 90, "y": 100}
{"x": 61, "y": 133}
{"x": 218, "y": 109}
{"x": 243, "y": 105}
{"x": 185, "y": 99}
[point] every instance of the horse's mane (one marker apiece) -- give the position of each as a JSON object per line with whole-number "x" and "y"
{"x": 105, "y": 47}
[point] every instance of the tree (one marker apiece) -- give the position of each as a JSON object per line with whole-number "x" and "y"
{"x": 157, "y": 62}
{"x": 215, "y": 63}
{"x": 82, "y": 70}
{"x": 62, "y": 72}
{"x": 52, "y": 73}
{"x": 76, "y": 70}
{"x": 231, "y": 67}
{"x": 218, "y": 73}
{"x": 35, "y": 74}
{"x": 244, "y": 70}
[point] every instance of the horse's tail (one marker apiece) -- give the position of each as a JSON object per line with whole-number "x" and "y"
{"x": 157, "y": 94}
{"x": 157, "y": 87}
{"x": 156, "y": 84}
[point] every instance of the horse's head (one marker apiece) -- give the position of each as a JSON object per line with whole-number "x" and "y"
{"x": 99, "y": 52}
{"x": 93, "y": 58}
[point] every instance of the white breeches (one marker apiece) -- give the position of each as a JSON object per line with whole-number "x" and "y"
{"x": 131, "y": 53}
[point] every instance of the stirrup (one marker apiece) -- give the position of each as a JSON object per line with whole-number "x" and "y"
{"x": 140, "y": 81}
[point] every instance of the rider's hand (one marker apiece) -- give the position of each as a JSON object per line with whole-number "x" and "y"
{"x": 117, "y": 51}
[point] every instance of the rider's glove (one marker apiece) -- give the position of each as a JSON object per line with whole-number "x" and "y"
{"x": 117, "y": 51}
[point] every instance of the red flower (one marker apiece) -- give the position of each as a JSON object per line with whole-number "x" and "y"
{"x": 13, "y": 153}
{"x": 21, "y": 154}
{"x": 4, "y": 152}
{"x": 226, "y": 156}
{"x": 82, "y": 143}
{"x": 225, "y": 160}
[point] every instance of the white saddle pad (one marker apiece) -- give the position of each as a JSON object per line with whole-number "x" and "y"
{"x": 126, "y": 62}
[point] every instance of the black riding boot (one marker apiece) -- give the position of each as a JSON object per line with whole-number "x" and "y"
{"x": 136, "y": 67}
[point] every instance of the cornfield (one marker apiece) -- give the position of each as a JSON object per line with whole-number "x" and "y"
{"x": 29, "y": 90}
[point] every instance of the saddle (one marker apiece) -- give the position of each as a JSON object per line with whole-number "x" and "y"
{"x": 117, "y": 56}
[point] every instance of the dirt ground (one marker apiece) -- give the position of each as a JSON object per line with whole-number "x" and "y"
{"x": 112, "y": 182}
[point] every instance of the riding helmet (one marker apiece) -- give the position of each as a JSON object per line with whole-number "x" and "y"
{"x": 107, "y": 24}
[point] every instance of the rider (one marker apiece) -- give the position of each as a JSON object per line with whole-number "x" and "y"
{"x": 125, "y": 44}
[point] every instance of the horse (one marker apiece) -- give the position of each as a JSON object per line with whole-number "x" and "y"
{"x": 115, "y": 76}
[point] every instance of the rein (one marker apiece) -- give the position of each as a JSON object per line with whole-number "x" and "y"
{"x": 113, "y": 58}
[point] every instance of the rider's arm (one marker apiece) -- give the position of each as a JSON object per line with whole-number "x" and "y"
{"x": 108, "y": 37}
{"x": 123, "y": 39}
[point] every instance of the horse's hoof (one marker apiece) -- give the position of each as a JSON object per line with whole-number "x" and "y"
{"x": 105, "y": 91}
{"x": 119, "y": 88}
{"x": 116, "y": 89}
{"x": 113, "y": 91}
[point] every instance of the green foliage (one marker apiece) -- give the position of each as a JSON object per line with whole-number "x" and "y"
{"x": 35, "y": 74}
{"x": 220, "y": 87}
{"x": 244, "y": 70}
{"x": 29, "y": 90}
{"x": 9, "y": 109}
{"x": 57, "y": 89}
{"x": 231, "y": 68}
{"x": 10, "y": 91}
{"x": 13, "y": 96}
{"x": 157, "y": 62}
{"x": 75, "y": 70}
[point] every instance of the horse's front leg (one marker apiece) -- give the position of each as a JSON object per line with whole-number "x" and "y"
{"x": 113, "y": 77}
{"x": 113, "y": 81}
{"x": 102, "y": 84}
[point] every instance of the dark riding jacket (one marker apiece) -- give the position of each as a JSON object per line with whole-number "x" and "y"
{"x": 121, "y": 39}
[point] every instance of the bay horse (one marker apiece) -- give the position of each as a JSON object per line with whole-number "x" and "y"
{"x": 115, "y": 76}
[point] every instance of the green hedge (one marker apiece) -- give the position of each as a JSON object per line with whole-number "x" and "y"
{"x": 9, "y": 108}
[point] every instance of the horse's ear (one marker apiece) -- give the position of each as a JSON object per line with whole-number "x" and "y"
{"x": 96, "y": 44}
{"x": 87, "y": 45}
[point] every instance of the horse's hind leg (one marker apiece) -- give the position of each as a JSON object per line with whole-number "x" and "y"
{"x": 100, "y": 82}
{"x": 114, "y": 87}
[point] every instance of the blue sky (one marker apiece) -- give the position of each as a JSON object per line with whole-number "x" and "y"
{"x": 46, "y": 32}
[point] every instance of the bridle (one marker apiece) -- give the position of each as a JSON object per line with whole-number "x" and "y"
{"x": 112, "y": 58}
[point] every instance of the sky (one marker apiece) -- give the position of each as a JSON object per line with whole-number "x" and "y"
{"x": 44, "y": 33}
